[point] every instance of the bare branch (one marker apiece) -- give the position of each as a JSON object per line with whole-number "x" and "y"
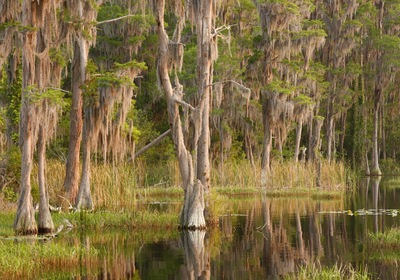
{"x": 183, "y": 103}
{"x": 152, "y": 143}
{"x": 233, "y": 82}
{"x": 59, "y": 89}
{"x": 113, "y": 19}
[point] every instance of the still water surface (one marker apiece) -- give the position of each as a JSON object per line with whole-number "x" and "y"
{"x": 257, "y": 238}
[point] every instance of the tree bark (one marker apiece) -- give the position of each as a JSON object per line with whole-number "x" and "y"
{"x": 84, "y": 198}
{"x": 45, "y": 223}
{"x": 192, "y": 216}
{"x": 298, "y": 139}
{"x": 266, "y": 149}
{"x": 375, "y": 170}
{"x": 204, "y": 72}
{"x": 315, "y": 141}
{"x": 329, "y": 133}
{"x": 25, "y": 219}
{"x": 71, "y": 181}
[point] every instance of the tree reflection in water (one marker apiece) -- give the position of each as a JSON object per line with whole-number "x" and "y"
{"x": 257, "y": 238}
{"x": 197, "y": 258}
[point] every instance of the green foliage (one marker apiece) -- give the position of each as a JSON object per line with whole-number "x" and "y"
{"x": 133, "y": 64}
{"x": 280, "y": 87}
{"x": 307, "y": 34}
{"x": 59, "y": 56}
{"x": 110, "y": 11}
{"x": 10, "y": 92}
{"x": 18, "y": 25}
{"x": 52, "y": 95}
{"x": 302, "y": 99}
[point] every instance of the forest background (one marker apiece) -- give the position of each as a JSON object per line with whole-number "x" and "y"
{"x": 314, "y": 81}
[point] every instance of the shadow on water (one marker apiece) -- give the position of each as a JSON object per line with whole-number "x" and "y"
{"x": 259, "y": 238}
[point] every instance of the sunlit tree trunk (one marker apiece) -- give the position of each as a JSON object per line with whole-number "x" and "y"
{"x": 204, "y": 18}
{"x": 266, "y": 154}
{"x": 192, "y": 215}
{"x": 25, "y": 219}
{"x": 316, "y": 136}
{"x": 71, "y": 182}
{"x": 45, "y": 222}
{"x": 375, "y": 170}
{"x": 84, "y": 198}
{"x": 298, "y": 139}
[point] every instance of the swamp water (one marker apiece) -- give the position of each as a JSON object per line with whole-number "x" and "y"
{"x": 257, "y": 238}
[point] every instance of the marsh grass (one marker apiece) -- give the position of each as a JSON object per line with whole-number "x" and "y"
{"x": 24, "y": 260}
{"x": 121, "y": 186}
{"x": 388, "y": 240}
{"x": 109, "y": 219}
{"x": 283, "y": 175}
{"x": 337, "y": 272}
{"x": 6, "y": 224}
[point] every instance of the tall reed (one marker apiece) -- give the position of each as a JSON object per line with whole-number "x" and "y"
{"x": 283, "y": 174}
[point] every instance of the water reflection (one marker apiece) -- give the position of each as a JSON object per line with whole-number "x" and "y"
{"x": 197, "y": 257}
{"x": 257, "y": 238}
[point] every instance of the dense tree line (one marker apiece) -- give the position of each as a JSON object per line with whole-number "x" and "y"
{"x": 255, "y": 80}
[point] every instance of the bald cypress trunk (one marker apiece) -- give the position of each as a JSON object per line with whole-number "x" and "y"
{"x": 84, "y": 198}
{"x": 71, "y": 182}
{"x": 25, "y": 223}
{"x": 45, "y": 222}
{"x": 25, "y": 219}
{"x": 192, "y": 216}
{"x": 375, "y": 170}
{"x": 298, "y": 139}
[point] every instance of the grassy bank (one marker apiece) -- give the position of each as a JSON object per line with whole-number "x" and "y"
{"x": 337, "y": 272}
{"x": 24, "y": 260}
{"x": 120, "y": 187}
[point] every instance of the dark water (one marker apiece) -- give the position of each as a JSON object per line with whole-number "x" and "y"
{"x": 257, "y": 238}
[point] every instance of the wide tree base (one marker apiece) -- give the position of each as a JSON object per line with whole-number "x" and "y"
{"x": 25, "y": 223}
{"x": 192, "y": 216}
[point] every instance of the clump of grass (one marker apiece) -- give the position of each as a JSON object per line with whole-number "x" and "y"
{"x": 337, "y": 272}
{"x": 108, "y": 219}
{"x": 22, "y": 260}
{"x": 6, "y": 223}
{"x": 388, "y": 240}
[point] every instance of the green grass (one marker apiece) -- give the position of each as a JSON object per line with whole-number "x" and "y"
{"x": 20, "y": 260}
{"x": 385, "y": 240}
{"x": 108, "y": 219}
{"x": 337, "y": 272}
{"x": 384, "y": 246}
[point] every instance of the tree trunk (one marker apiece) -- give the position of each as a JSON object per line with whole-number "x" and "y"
{"x": 329, "y": 136}
{"x": 375, "y": 170}
{"x": 25, "y": 219}
{"x": 192, "y": 216}
{"x": 45, "y": 223}
{"x": 315, "y": 141}
{"x": 84, "y": 198}
{"x": 76, "y": 122}
{"x": 204, "y": 72}
{"x": 266, "y": 153}
{"x": 25, "y": 223}
{"x": 298, "y": 139}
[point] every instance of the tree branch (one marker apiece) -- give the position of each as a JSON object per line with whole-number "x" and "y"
{"x": 152, "y": 143}
{"x": 113, "y": 19}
